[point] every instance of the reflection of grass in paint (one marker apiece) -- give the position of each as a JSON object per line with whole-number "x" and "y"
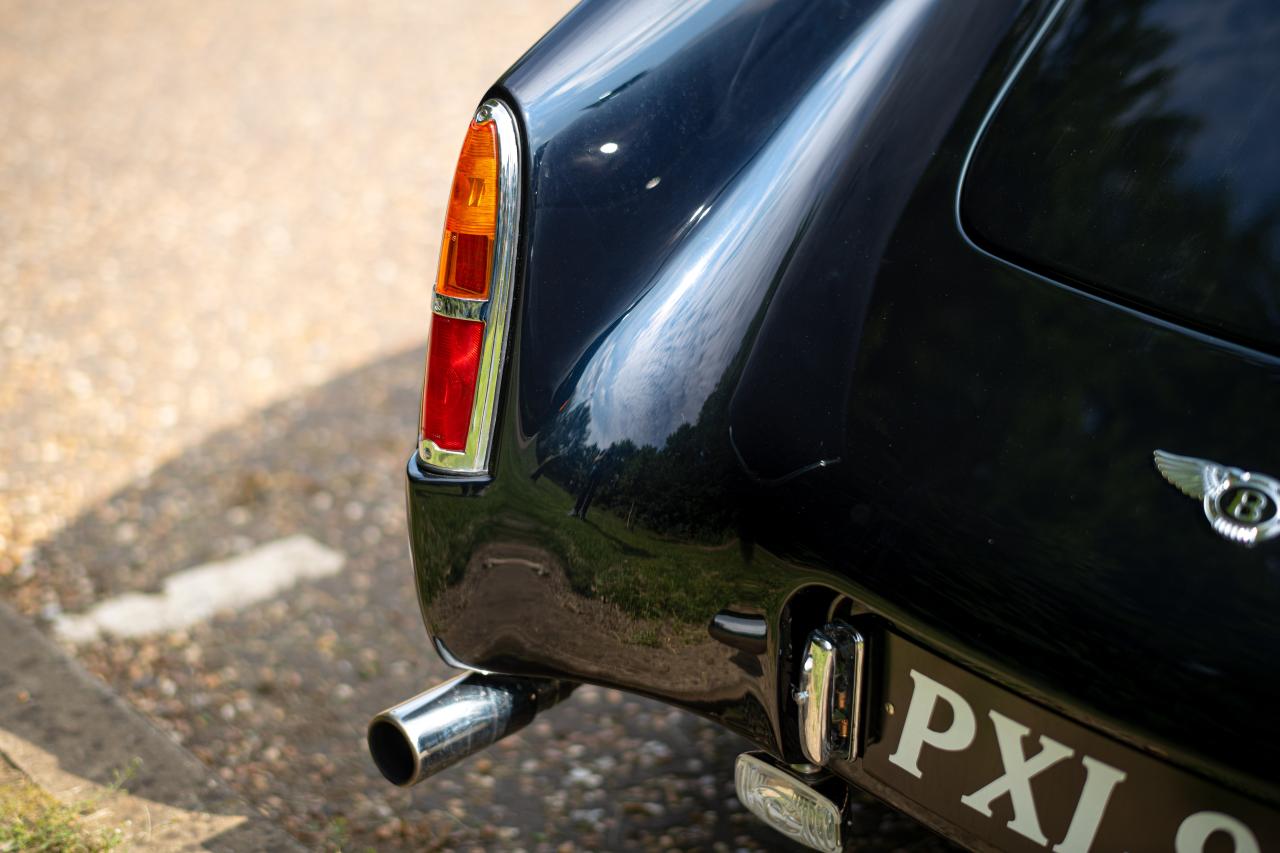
{"x": 647, "y": 635}
{"x": 648, "y": 577}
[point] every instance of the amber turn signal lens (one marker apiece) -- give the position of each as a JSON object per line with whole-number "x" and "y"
{"x": 466, "y": 251}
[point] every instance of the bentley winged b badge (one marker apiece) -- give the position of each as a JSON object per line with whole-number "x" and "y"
{"x": 1241, "y": 506}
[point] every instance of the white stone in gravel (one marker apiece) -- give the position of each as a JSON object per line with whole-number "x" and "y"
{"x": 193, "y": 595}
{"x": 583, "y": 776}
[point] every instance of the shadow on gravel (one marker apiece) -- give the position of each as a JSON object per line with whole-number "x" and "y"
{"x": 274, "y": 698}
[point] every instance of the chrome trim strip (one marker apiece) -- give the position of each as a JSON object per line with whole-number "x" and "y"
{"x": 855, "y": 697}
{"x": 460, "y": 309}
{"x": 496, "y": 312}
{"x": 1048, "y": 22}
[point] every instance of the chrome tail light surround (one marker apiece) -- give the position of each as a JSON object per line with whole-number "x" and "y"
{"x": 495, "y": 311}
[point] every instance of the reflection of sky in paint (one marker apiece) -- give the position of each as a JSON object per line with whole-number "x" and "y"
{"x": 664, "y": 358}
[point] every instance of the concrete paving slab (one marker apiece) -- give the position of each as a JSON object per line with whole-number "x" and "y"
{"x": 73, "y": 737}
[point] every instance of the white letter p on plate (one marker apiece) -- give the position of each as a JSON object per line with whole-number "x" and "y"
{"x": 916, "y": 732}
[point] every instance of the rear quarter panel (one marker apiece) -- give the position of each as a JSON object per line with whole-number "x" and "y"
{"x": 753, "y": 336}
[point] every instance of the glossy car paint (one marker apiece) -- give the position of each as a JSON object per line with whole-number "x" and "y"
{"x": 757, "y": 350}
{"x": 1132, "y": 150}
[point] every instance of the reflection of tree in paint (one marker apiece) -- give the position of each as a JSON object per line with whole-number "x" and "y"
{"x": 686, "y": 488}
{"x": 1117, "y": 162}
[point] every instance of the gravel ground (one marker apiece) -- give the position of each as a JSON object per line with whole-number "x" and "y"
{"x": 214, "y": 217}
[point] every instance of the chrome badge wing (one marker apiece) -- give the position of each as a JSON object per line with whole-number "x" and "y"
{"x": 1241, "y": 506}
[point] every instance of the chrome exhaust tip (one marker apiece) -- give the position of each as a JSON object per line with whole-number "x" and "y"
{"x": 437, "y": 729}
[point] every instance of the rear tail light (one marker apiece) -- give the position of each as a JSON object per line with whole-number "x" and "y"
{"x": 453, "y": 362}
{"x": 471, "y": 304}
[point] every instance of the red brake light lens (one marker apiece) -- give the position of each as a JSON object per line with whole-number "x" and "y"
{"x": 453, "y": 361}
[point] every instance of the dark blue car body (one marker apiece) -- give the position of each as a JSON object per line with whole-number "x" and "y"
{"x": 881, "y": 307}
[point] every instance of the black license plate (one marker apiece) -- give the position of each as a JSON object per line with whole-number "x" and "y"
{"x": 1023, "y": 778}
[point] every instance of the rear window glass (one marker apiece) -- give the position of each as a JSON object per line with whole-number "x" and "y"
{"x": 1138, "y": 153}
